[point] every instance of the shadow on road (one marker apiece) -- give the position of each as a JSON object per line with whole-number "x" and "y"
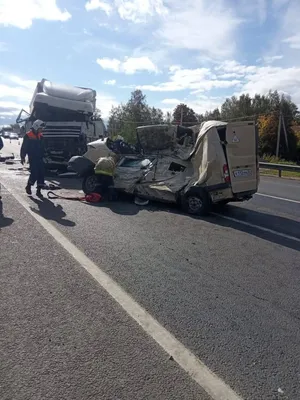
{"x": 65, "y": 183}
{"x": 123, "y": 206}
{"x": 4, "y": 221}
{"x": 282, "y": 225}
{"x": 51, "y": 211}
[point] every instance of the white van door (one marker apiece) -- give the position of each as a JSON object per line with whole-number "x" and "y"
{"x": 242, "y": 156}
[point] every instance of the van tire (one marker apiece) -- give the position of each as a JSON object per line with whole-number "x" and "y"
{"x": 90, "y": 183}
{"x": 196, "y": 202}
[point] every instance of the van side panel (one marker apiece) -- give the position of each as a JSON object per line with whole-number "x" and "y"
{"x": 242, "y": 149}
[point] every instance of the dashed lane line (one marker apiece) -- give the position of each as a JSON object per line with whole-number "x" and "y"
{"x": 278, "y": 198}
{"x": 261, "y": 228}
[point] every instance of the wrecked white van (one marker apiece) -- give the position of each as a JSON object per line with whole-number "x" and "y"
{"x": 196, "y": 167}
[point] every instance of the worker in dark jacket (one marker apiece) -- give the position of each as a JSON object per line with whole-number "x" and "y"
{"x": 33, "y": 147}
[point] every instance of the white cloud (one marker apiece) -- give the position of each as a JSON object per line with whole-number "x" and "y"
{"x": 15, "y": 94}
{"x": 293, "y": 41}
{"x": 200, "y": 25}
{"x": 97, "y": 4}
{"x": 105, "y": 102}
{"x": 274, "y": 78}
{"x": 288, "y": 14}
{"x": 133, "y": 64}
{"x": 205, "y": 103}
{"x": 129, "y": 66}
{"x": 28, "y": 84}
{"x": 239, "y": 78}
{"x": 138, "y": 11}
{"x": 171, "y": 101}
{"x": 9, "y": 110}
{"x": 21, "y": 13}
{"x": 200, "y": 104}
{"x": 198, "y": 80}
{"x": 111, "y": 82}
{"x": 109, "y": 63}
{"x": 255, "y": 9}
{"x": 261, "y": 79}
{"x": 86, "y": 32}
{"x": 233, "y": 67}
{"x": 271, "y": 59}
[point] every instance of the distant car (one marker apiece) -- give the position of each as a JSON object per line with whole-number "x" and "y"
{"x": 13, "y": 136}
{"x": 6, "y": 134}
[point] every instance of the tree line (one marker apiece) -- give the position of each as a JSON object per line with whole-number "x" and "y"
{"x": 264, "y": 109}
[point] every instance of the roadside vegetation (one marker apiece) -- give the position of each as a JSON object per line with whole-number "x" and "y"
{"x": 276, "y": 160}
{"x": 264, "y": 109}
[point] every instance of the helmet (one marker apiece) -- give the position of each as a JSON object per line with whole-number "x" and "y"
{"x": 38, "y": 124}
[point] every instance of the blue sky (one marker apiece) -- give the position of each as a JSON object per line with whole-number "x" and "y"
{"x": 197, "y": 52}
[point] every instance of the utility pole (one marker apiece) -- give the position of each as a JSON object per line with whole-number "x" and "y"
{"x": 278, "y": 134}
{"x": 285, "y": 133}
{"x": 181, "y": 116}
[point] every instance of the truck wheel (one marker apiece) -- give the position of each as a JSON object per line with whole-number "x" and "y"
{"x": 90, "y": 184}
{"x": 197, "y": 203}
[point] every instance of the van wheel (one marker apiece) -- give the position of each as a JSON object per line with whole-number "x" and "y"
{"x": 90, "y": 184}
{"x": 196, "y": 203}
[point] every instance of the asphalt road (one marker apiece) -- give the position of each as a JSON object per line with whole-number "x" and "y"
{"x": 226, "y": 286}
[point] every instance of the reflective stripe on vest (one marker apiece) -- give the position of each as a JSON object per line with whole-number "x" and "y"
{"x": 31, "y": 135}
{"x": 101, "y": 172}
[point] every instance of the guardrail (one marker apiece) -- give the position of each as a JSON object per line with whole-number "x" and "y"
{"x": 280, "y": 167}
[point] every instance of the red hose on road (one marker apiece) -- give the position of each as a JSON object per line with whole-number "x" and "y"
{"x": 89, "y": 198}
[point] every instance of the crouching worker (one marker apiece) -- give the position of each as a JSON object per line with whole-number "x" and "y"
{"x": 33, "y": 147}
{"x": 105, "y": 170}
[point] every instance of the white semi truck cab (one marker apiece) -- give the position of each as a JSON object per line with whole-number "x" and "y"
{"x": 69, "y": 113}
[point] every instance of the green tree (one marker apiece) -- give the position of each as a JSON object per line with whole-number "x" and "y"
{"x": 212, "y": 115}
{"x": 125, "y": 118}
{"x": 189, "y": 116}
{"x": 156, "y": 116}
{"x": 234, "y": 107}
{"x": 168, "y": 119}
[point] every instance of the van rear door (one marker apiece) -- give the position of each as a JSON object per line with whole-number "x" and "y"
{"x": 242, "y": 156}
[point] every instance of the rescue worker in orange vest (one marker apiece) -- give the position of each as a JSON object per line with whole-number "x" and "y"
{"x": 33, "y": 147}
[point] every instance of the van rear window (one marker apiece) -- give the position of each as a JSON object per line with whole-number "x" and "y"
{"x": 222, "y": 133}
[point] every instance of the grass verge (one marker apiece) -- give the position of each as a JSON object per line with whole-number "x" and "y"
{"x": 284, "y": 174}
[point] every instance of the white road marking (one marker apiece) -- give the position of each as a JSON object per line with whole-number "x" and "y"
{"x": 208, "y": 380}
{"x": 277, "y": 198}
{"x": 261, "y": 228}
